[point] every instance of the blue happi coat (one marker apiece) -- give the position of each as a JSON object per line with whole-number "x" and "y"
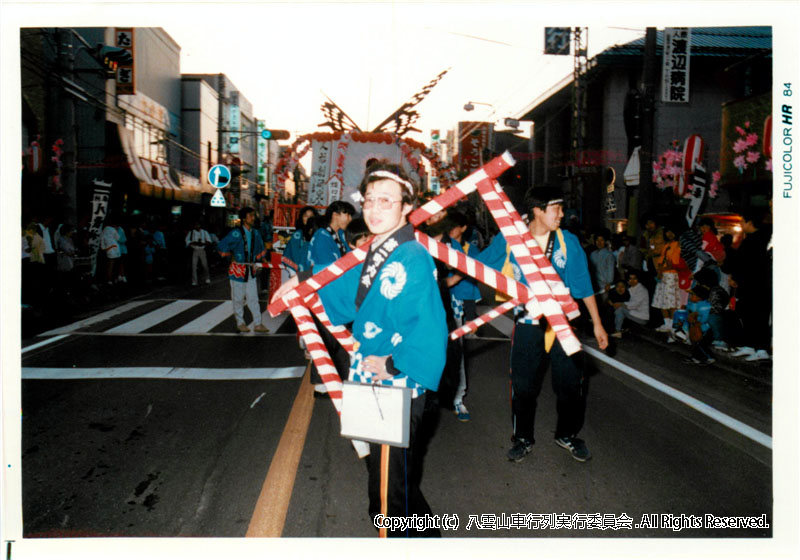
{"x": 233, "y": 245}
{"x": 402, "y": 315}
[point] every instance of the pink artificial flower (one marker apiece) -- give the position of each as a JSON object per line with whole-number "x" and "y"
{"x": 752, "y": 139}
{"x": 768, "y": 165}
{"x": 716, "y": 176}
{"x": 739, "y": 163}
{"x": 752, "y": 157}
{"x": 740, "y": 130}
{"x": 740, "y": 145}
{"x": 747, "y": 124}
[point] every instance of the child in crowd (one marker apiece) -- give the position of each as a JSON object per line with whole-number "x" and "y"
{"x": 718, "y": 298}
{"x": 697, "y": 327}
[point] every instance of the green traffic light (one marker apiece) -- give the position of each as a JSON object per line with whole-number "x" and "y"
{"x": 266, "y": 134}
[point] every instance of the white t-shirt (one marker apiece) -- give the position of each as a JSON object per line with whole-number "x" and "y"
{"x": 108, "y": 242}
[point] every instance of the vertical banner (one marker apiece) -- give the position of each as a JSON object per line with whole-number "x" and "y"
{"x": 235, "y": 123}
{"x": 675, "y": 68}
{"x": 699, "y": 182}
{"x": 473, "y": 138}
{"x": 322, "y": 168}
{"x": 261, "y": 144}
{"x": 99, "y": 211}
{"x": 126, "y": 75}
{"x": 333, "y": 190}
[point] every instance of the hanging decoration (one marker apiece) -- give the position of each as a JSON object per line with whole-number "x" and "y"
{"x": 667, "y": 169}
{"x": 745, "y": 148}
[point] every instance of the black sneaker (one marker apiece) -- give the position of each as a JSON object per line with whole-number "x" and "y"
{"x": 521, "y": 448}
{"x": 576, "y": 447}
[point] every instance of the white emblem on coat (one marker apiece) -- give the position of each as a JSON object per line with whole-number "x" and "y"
{"x": 371, "y": 330}
{"x": 396, "y": 339}
{"x": 517, "y": 272}
{"x": 558, "y": 259}
{"x": 393, "y": 279}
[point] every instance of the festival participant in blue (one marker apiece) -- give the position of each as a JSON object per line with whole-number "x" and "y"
{"x": 532, "y": 345}
{"x": 399, "y": 325}
{"x": 329, "y": 242}
{"x": 244, "y": 246}
{"x": 297, "y": 249}
{"x": 464, "y": 294}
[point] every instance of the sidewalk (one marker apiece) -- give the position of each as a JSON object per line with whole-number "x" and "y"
{"x": 760, "y": 372}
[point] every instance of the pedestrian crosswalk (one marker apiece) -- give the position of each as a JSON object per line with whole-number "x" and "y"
{"x": 169, "y": 317}
{"x": 192, "y": 317}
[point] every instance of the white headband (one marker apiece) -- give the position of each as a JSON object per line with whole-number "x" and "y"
{"x": 389, "y": 175}
{"x": 555, "y": 201}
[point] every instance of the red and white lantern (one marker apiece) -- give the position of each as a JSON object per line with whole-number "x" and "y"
{"x": 693, "y": 150}
{"x": 35, "y": 158}
{"x": 767, "y": 138}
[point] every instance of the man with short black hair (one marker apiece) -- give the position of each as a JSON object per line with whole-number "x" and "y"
{"x": 246, "y": 248}
{"x": 329, "y": 242}
{"x": 533, "y": 344}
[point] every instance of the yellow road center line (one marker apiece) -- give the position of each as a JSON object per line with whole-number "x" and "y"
{"x": 269, "y": 515}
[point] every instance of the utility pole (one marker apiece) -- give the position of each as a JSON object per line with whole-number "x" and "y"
{"x": 645, "y": 195}
{"x": 67, "y": 126}
{"x": 580, "y": 38}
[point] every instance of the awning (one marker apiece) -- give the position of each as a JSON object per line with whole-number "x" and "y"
{"x": 153, "y": 176}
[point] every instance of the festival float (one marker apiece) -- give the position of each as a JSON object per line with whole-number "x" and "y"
{"x": 339, "y": 158}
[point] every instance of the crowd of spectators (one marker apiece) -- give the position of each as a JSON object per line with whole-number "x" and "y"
{"x": 64, "y": 268}
{"x": 690, "y": 283}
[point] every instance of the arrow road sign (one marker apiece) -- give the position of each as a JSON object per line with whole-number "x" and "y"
{"x": 219, "y": 176}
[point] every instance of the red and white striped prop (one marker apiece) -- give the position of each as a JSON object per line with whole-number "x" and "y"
{"x": 542, "y": 288}
{"x": 549, "y": 274}
{"x": 487, "y": 317}
{"x": 322, "y": 360}
{"x": 546, "y": 294}
{"x": 340, "y": 332}
{"x": 491, "y": 170}
{"x": 477, "y": 270}
{"x": 320, "y": 279}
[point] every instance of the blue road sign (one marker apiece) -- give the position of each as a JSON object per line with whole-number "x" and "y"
{"x": 219, "y": 176}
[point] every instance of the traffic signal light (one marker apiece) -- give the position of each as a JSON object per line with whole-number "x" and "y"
{"x": 268, "y": 134}
{"x": 112, "y": 57}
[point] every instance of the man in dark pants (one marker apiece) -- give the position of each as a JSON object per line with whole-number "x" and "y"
{"x": 532, "y": 347}
{"x": 751, "y": 276}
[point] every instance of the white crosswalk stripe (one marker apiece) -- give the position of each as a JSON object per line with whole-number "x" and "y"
{"x": 154, "y": 317}
{"x": 93, "y": 320}
{"x": 202, "y": 325}
{"x": 207, "y": 374}
{"x": 207, "y": 321}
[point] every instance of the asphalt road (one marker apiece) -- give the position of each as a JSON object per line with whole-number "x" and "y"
{"x": 187, "y": 456}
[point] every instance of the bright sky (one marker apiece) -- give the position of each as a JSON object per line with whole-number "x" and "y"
{"x": 371, "y": 58}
